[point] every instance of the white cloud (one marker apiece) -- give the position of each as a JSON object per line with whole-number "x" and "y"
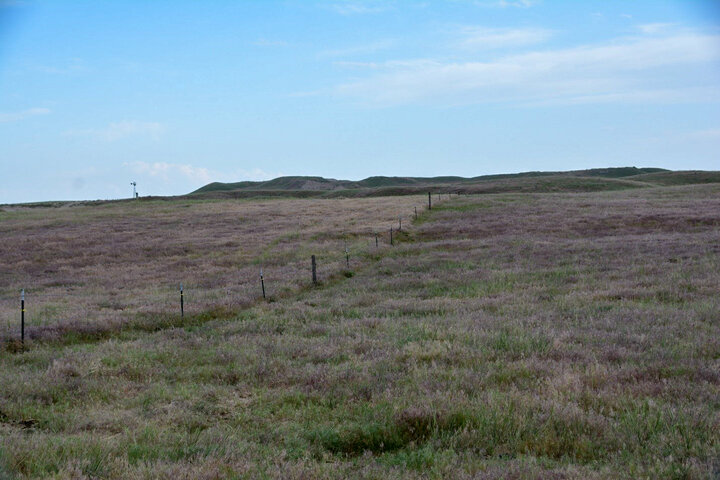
{"x": 418, "y": 63}
{"x": 612, "y": 71}
{"x": 166, "y": 171}
{"x": 654, "y": 28}
{"x": 120, "y": 130}
{"x": 173, "y": 172}
{"x": 69, "y": 67}
{"x": 351, "y": 7}
{"x": 517, "y": 3}
{"x": 22, "y": 115}
{"x": 357, "y": 49}
{"x": 264, "y": 42}
{"x": 491, "y": 38}
{"x": 708, "y": 134}
{"x": 508, "y": 3}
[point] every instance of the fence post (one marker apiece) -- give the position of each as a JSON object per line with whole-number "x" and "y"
{"x": 347, "y": 257}
{"x": 314, "y": 272}
{"x": 22, "y": 316}
{"x": 415, "y": 213}
{"x": 376, "y": 241}
{"x": 262, "y": 282}
{"x": 400, "y": 224}
{"x": 182, "y": 301}
{"x": 429, "y": 201}
{"x": 391, "y": 239}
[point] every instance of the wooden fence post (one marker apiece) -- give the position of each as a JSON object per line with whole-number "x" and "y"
{"x": 314, "y": 271}
{"x": 22, "y": 316}
{"x": 262, "y": 282}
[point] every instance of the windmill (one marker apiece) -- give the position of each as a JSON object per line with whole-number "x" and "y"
{"x": 134, "y": 184}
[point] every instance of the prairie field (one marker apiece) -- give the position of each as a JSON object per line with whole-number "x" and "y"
{"x": 507, "y": 335}
{"x": 94, "y": 269}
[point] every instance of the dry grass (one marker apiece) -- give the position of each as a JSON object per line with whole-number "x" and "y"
{"x": 94, "y": 269}
{"x": 507, "y": 336}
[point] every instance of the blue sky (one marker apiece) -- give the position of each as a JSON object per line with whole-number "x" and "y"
{"x": 173, "y": 94}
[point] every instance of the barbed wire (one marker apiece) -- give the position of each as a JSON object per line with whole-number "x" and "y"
{"x": 192, "y": 291}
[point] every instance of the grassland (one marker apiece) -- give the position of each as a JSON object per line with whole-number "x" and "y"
{"x": 97, "y": 268}
{"x": 510, "y": 335}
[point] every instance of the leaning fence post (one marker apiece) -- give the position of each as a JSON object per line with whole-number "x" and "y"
{"x": 182, "y": 301}
{"x": 391, "y": 239}
{"x": 22, "y": 316}
{"x": 262, "y": 282}
{"x": 314, "y": 272}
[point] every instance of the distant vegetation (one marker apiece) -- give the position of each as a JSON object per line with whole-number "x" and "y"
{"x": 679, "y": 178}
{"x": 593, "y": 180}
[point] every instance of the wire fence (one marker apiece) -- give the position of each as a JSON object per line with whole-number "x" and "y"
{"x": 45, "y": 313}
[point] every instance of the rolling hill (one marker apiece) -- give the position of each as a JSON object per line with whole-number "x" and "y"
{"x": 597, "y": 179}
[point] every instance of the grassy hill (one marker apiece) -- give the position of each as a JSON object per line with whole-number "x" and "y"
{"x": 679, "y": 178}
{"x": 577, "y": 180}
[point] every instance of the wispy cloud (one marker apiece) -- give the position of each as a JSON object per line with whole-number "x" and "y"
{"x": 493, "y": 38}
{"x": 167, "y": 171}
{"x": 612, "y": 72}
{"x": 264, "y": 42}
{"x": 707, "y": 134}
{"x": 71, "y": 66}
{"x": 508, "y": 3}
{"x": 389, "y": 65}
{"x": 357, "y": 7}
{"x": 22, "y": 115}
{"x": 170, "y": 172}
{"x": 654, "y": 28}
{"x": 120, "y": 130}
{"x": 364, "y": 49}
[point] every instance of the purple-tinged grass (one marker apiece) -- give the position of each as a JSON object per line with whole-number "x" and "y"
{"x": 505, "y": 336}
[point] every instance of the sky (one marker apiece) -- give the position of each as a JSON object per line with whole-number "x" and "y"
{"x": 178, "y": 94}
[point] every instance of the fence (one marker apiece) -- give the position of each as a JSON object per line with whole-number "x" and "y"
{"x": 47, "y": 315}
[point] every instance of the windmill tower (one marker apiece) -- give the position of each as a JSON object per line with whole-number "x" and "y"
{"x": 134, "y": 184}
